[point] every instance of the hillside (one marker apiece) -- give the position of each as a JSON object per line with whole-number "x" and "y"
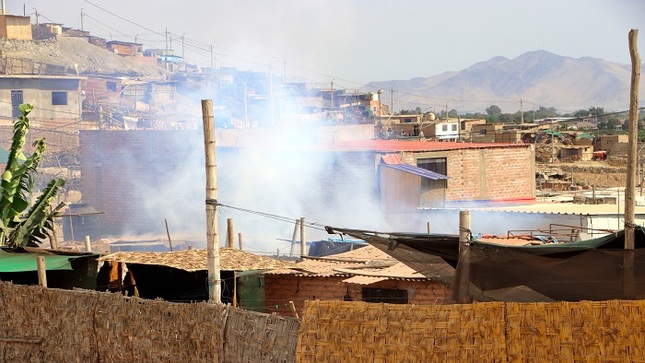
{"x": 539, "y": 78}
{"x": 76, "y": 52}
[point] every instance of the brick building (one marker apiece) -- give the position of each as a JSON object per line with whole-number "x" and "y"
{"x": 345, "y": 276}
{"x": 139, "y": 178}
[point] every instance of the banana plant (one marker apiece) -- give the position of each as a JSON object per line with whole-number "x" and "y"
{"x": 21, "y": 223}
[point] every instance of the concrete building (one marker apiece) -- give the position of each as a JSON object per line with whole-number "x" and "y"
{"x": 15, "y": 27}
{"x": 54, "y": 97}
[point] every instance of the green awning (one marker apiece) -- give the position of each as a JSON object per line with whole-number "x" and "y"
{"x": 25, "y": 261}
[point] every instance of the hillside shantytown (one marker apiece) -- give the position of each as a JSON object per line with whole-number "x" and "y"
{"x": 330, "y": 199}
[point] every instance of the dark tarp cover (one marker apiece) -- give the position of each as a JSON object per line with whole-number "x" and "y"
{"x": 594, "y": 269}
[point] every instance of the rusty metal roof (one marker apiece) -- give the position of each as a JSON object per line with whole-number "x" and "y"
{"x": 363, "y": 266}
{"x": 417, "y": 171}
{"x": 231, "y": 259}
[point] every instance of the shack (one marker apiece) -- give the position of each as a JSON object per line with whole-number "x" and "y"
{"x": 181, "y": 276}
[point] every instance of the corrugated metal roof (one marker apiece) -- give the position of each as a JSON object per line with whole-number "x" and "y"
{"x": 417, "y": 171}
{"x": 231, "y": 259}
{"x": 392, "y": 159}
{"x": 364, "y": 280}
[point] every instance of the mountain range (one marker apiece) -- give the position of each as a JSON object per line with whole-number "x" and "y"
{"x": 532, "y": 80}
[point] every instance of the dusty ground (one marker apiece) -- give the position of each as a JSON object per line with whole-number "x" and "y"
{"x": 602, "y": 174}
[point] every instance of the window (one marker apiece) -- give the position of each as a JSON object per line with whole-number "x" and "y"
{"x": 444, "y": 128}
{"x": 110, "y": 86}
{"x": 391, "y": 296}
{"x": 438, "y": 165}
{"x": 59, "y": 98}
{"x": 454, "y": 127}
{"x": 16, "y": 100}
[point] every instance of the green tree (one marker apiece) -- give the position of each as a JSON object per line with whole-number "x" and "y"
{"x": 21, "y": 222}
{"x": 493, "y": 110}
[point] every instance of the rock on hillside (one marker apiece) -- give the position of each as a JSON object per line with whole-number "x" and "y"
{"x": 68, "y": 52}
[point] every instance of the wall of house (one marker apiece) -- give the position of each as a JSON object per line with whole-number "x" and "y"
{"x": 38, "y": 92}
{"x": 280, "y": 289}
{"x": 15, "y": 27}
{"x": 483, "y": 174}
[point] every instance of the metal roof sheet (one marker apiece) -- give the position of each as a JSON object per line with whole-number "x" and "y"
{"x": 417, "y": 171}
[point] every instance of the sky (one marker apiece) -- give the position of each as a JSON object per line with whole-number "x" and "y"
{"x": 358, "y": 41}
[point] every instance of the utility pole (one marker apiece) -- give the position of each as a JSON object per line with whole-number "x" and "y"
{"x": 331, "y": 94}
{"x": 446, "y": 111}
{"x": 182, "y": 48}
{"x": 271, "y": 90}
{"x": 81, "y": 17}
{"x": 391, "y": 100}
{"x": 522, "y": 110}
{"x": 212, "y": 64}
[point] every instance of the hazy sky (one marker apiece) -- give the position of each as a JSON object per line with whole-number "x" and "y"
{"x": 357, "y": 41}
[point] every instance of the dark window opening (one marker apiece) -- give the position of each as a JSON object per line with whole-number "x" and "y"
{"x": 390, "y": 296}
{"x": 438, "y": 165}
{"x": 110, "y": 86}
{"x": 59, "y": 98}
{"x": 16, "y": 100}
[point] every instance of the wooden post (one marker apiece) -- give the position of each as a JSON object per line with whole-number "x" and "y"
{"x": 463, "y": 276}
{"x": 212, "y": 237}
{"x": 120, "y": 276}
{"x": 293, "y": 309}
{"x": 53, "y": 240}
{"x": 168, "y": 234}
{"x": 428, "y": 227}
{"x": 630, "y": 188}
{"x": 42, "y": 271}
{"x": 303, "y": 240}
{"x": 230, "y": 235}
{"x": 295, "y": 235}
{"x": 88, "y": 245}
{"x": 239, "y": 240}
{"x": 234, "y": 289}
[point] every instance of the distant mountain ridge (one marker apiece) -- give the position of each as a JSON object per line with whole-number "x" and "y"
{"x": 539, "y": 78}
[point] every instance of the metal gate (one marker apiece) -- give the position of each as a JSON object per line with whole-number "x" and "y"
{"x": 16, "y": 100}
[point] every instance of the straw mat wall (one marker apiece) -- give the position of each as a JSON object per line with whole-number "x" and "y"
{"x": 609, "y": 331}
{"x": 49, "y": 325}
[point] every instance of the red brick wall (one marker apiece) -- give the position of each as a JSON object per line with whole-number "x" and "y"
{"x": 504, "y": 173}
{"x": 280, "y": 289}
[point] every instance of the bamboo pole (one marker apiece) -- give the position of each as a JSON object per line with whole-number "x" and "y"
{"x": 168, "y": 234}
{"x": 42, "y": 271}
{"x": 230, "y": 234}
{"x": 630, "y": 189}
{"x": 88, "y": 244}
{"x": 303, "y": 241}
{"x": 295, "y": 235}
{"x": 463, "y": 276}
{"x": 212, "y": 237}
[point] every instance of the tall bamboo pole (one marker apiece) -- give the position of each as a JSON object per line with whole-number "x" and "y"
{"x": 630, "y": 189}
{"x": 212, "y": 237}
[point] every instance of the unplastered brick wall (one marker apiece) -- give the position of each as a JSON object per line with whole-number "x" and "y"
{"x": 503, "y": 173}
{"x": 280, "y": 289}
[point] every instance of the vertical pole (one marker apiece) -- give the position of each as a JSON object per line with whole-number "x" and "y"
{"x": 303, "y": 241}
{"x": 295, "y": 235}
{"x": 463, "y": 267}
{"x": 234, "y": 289}
{"x": 212, "y": 237}
{"x": 81, "y": 16}
{"x": 392, "y": 101}
{"x": 42, "y": 272}
{"x": 230, "y": 235}
{"x": 168, "y": 234}
{"x": 239, "y": 240}
{"x": 271, "y": 90}
{"x": 88, "y": 245}
{"x": 428, "y": 227}
{"x": 630, "y": 188}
